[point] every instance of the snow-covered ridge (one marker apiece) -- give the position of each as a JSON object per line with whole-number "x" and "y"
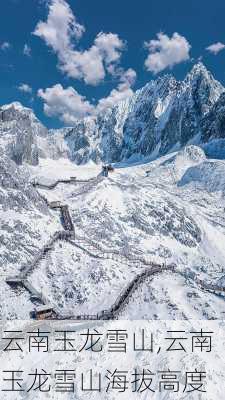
{"x": 16, "y": 105}
{"x": 161, "y": 117}
{"x": 16, "y": 111}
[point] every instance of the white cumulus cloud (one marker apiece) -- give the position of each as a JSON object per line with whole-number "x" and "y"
{"x": 60, "y": 28}
{"x": 61, "y": 32}
{"x": 165, "y": 52}
{"x": 68, "y": 105}
{"x": 25, "y": 88}
{"x": 122, "y": 92}
{"x": 215, "y": 48}
{"x": 109, "y": 46}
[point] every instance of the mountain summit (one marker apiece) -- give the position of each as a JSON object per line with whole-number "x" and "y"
{"x": 162, "y": 116}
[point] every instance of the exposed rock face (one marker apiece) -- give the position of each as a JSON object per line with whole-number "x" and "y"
{"x": 208, "y": 175}
{"x": 22, "y": 212}
{"x": 213, "y": 124}
{"x": 163, "y": 116}
{"x": 16, "y": 192}
{"x": 19, "y": 129}
{"x": 193, "y": 154}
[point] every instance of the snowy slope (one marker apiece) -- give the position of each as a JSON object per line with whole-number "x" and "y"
{"x": 147, "y": 213}
{"x": 25, "y": 224}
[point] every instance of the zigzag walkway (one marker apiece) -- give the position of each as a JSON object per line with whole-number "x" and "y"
{"x": 72, "y": 180}
{"x": 89, "y": 185}
{"x": 123, "y": 299}
{"x": 94, "y": 250}
{"x": 66, "y": 234}
{"x": 22, "y": 278}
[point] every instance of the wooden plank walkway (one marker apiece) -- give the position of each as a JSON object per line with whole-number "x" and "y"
{"x": 21, "y": 279}
{"x": 123, "y": 298}
{"x": 71, "y": 180}
{"x": 94, "y": 250}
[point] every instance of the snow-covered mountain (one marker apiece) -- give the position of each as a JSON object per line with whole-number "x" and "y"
{"x": 163, "y": 204}
{"x": 24, "y": 139}
{"x": 161, "y": 117}
{"x": 164, "y": 115}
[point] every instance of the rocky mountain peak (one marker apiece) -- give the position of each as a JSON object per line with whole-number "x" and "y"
{"x": 201, "y": 83}
{"x": 199, "y": 69}
{"x": 16, "y": 111}
{"x": 164, "y": 115}
{"x": 19, "y": 133}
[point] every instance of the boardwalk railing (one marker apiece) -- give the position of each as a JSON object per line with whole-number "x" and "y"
{"x": 26, "y": 270}
{"x": 123, "y": 298}
{"x": 71, "y": 180}
{"x": 95, "y": 250}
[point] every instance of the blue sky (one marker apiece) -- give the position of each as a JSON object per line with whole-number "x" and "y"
{"x": 70, "y": 58}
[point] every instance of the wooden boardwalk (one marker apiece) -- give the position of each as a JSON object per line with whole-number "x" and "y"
{"x": 71, "y": 180}
{"x": 94, "y": 250}
{"x": 123, "y": 299}
{"x": 22, "y": 278}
